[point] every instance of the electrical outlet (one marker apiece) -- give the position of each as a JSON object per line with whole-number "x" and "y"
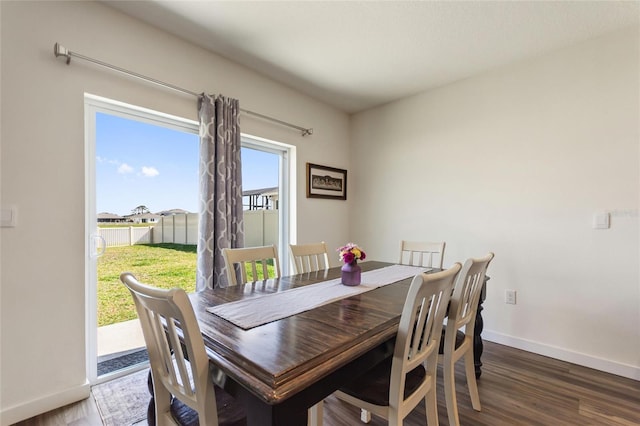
{"x": 510, "y": 297}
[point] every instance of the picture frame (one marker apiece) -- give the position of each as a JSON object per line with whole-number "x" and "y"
{"x": 326, "y": 182}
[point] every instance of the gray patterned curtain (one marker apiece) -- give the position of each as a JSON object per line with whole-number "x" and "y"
{"x": 221, "y": 214}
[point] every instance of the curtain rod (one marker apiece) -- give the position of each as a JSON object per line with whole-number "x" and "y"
{"x": 60, "y": 50}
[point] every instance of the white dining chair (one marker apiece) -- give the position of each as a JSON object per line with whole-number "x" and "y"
{"x": 420, "y": 253}
{"x": 183, "y": 391}
{"x": 457, "y": 340}
{"x": 395, "y": 387}
{"x": 259, "y": 259}
{"x": 309, "y": 257}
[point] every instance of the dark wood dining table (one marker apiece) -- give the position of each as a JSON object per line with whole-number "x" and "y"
{"x": 280, "y": 369}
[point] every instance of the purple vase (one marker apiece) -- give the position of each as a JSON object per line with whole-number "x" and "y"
{"x": 351, "y": 273}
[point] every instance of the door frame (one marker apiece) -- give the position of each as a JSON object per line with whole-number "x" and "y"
{"x": 92, "y": 105}
{"x": 96, "y": 104}
{"x": 287, "y": 190}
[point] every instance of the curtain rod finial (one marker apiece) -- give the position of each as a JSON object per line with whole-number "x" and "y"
{"x": 60, "y": 50}
{"x": 308, "y": 131}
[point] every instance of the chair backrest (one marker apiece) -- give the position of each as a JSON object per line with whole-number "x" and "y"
{"x": 420, "y": 328}
{"x": 418, "y": 253}
{"x": 160, "y": 310}
{"x": 466, "y": 295}
{"x": 259, "y": 260}
{"x": 309, "y": 257}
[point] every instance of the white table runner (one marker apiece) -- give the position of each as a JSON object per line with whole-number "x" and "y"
{"x": 249, "y": 313}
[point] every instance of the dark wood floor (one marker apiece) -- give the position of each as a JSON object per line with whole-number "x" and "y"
{"x": 516, "y": 388}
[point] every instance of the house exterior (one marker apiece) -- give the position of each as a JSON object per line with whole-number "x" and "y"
{"x": 143, "y": 218}
{"x": 172, "y": 212}
{"x": 261, "y": 198}
{"x": 110, "y": 218}
{"x": 516, "y": 161}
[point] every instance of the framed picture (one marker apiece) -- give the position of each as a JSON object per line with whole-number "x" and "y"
{"x": 326, "y": 182}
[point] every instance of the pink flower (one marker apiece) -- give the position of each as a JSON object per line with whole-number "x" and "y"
{"x": 350, "y": 253}
{"x": 348, "y": 257}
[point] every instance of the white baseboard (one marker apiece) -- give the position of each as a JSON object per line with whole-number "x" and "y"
{"x": 24, "y": 411}
{"x": 624, "y": 370}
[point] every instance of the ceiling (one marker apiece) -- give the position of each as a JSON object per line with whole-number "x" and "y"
{"x": 355, "y": 55}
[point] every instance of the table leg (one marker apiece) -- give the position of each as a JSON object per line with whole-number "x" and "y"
{"x": 151, "y": 408}
{"x": 478, "y": 347}
{"x": 261, "y": 414}
{"x": 151, "y": 412}
{"x": 294, "y": 410}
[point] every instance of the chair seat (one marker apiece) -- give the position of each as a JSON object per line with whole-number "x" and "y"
{"x": 230, "y": 413}
{"x": 373, "y": 386}
{"x": 459, "y": 339}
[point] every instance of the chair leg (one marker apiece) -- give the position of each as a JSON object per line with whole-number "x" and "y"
{"x": 432, "y": 407}
{"x": 450, "y": 391}
{"x": 471, "y": 380}
{"x": 394, "y": 418}
{"x": 162, "y": 399}
{"x": 315, "y": 414}
{"x": 365, "y": 416}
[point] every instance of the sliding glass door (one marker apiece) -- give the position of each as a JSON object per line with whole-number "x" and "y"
{"x": 142, "y": 213}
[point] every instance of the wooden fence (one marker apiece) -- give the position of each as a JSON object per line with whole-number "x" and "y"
{"x": 260, "y": 228}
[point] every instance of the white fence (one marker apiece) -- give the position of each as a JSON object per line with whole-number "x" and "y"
{"x": 126, "y": 236}
{"x": 177, "y": 229}
{"x": 260, "y": 228}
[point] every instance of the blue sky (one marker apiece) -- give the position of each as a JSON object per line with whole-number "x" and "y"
{"x": 143, "y": 164}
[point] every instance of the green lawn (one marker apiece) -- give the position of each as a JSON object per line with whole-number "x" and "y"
{"x": 160, "y": 265}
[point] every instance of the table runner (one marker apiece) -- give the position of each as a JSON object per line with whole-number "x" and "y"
{"x": 250, "y": 313}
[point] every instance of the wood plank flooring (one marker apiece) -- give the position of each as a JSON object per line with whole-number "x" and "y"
{"x": 516, "y": 388}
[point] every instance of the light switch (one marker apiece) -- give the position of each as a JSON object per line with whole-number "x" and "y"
{"x": 601, "y": 220}
{"x": 8, "y": 217}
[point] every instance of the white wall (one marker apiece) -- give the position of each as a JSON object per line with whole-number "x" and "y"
{"x": 42, "y": 317}
{"x": 517, "y": 161}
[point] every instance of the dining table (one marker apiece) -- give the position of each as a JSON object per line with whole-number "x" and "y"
{"x": 281, "y": 368}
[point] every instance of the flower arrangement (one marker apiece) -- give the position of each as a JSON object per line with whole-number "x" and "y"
{"x": 351, "y": 252}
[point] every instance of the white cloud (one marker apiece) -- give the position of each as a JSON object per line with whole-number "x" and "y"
{"x": 150, "y": 171}
{"x": 125, "y": 168}
{"x": 106, "y": 160}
